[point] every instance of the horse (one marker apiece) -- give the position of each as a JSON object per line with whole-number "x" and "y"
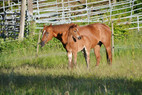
{"x": 57, "y": 31}
{"x": 76, "y": 43}
{"x": 95, "y": 32}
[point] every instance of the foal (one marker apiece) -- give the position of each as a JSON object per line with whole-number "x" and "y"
{"x": 76, "y": 43}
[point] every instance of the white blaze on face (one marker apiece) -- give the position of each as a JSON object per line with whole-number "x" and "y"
{"x": 43, "y": 32}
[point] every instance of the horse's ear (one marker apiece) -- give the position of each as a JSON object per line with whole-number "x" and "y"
{"x": 75, "y": 25}
{"x": 50, "y": 25}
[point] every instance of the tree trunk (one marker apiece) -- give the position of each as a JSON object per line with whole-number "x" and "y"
{"x": 22, "y": 19}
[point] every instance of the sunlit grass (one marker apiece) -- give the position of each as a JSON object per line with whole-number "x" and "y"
{"x": 120, "y": 78}
{"x": 23, "y": 72}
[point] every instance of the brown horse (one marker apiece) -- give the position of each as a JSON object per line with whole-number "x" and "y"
{"x": 76, "y": 43}
{"x": 95, "y": 32}
{"x": 57, "y": 31}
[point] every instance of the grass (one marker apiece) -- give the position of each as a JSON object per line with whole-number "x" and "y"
{"x": 119, "y": 79}
{"x": 22, "y": 72}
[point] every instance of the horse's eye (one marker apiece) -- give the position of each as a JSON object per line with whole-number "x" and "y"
{"x": 75, "y": 31}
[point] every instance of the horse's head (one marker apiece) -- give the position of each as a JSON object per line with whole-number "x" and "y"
{"x": 73, "y": 30}
{"x": 47, "y": 34}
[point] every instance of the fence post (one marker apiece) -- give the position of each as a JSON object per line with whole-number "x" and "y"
{"x": 112, "y": 38}
{"x": 132, "y": 1}
{"x": 37, "y": 8}
{"x": 57, "y": 8}
{"x": 63, "y": 16}
{"x": 30, "y": 7}
{"x": 38, "y": 43}
{"x": 32, "y": 22}
{"x": 88, "y": 16}
{"x": 19, "y": 5}
{"x": 22, "y": 19}
{"x": 138, "y": 23}
{"x": 110, "y": 10}
{"x": 69, "y": 11}
{"x": 3, "y": 5}
{"x": 114, "y": 1}
{"x": 9, "y": 2}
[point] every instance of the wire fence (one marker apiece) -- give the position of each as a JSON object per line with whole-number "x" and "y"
{"x": 77, "y": 11}
{"x": 66, "y": 12}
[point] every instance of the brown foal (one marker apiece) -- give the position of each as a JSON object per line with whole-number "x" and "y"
{"x": 76, "y": 43}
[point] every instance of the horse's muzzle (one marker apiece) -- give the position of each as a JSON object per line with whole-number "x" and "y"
{"x": 42, "y": 43}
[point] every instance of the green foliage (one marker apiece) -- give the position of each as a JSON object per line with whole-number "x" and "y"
{"x": 23, "y": 72}
{"x": 138, "y": 6}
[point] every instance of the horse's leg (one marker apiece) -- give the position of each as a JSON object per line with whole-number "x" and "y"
{"x": 109, "y": 54}
{"x": 87, "y": 56}
{"x": 108, "y": 51}
{"x": 70, "y": 59}
{"x": 97, "y": 53}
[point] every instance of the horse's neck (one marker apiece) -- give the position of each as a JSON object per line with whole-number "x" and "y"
{"x": 61, "y": 35}
{"x": 61, "y": 32}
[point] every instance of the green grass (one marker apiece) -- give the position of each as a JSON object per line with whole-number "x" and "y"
{"x": 22, "y": 72}
{"x": 119, "y": 79}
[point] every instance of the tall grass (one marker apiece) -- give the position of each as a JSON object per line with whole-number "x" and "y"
{"x": 22, "y": 72}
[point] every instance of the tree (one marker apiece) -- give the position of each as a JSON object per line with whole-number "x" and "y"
{"x": 22, "y": 19}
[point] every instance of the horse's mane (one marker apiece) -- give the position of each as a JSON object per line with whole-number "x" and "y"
{"x": 61, "y": 28}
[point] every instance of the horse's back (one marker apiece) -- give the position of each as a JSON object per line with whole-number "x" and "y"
{"x": 62, "y": 27}
{"x": 102, "y": 27}
{"x": 92, "y": 31}
{"x": 96, "y": 32}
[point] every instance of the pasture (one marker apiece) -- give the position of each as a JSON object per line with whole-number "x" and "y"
{"x": 23, "y": 72}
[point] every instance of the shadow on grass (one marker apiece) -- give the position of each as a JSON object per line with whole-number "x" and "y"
{"x": 50, "y": 85}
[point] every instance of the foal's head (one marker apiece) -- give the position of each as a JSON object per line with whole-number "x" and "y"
{"x": 73, "y": 30}
{"x": 47, "y": 34}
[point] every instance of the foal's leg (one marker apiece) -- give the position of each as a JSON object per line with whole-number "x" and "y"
{"x": 70, "y": 59}
{"x": 75, "y": 58}
{"x": 97, "y": 53}
{"x": 88, "y": 58}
